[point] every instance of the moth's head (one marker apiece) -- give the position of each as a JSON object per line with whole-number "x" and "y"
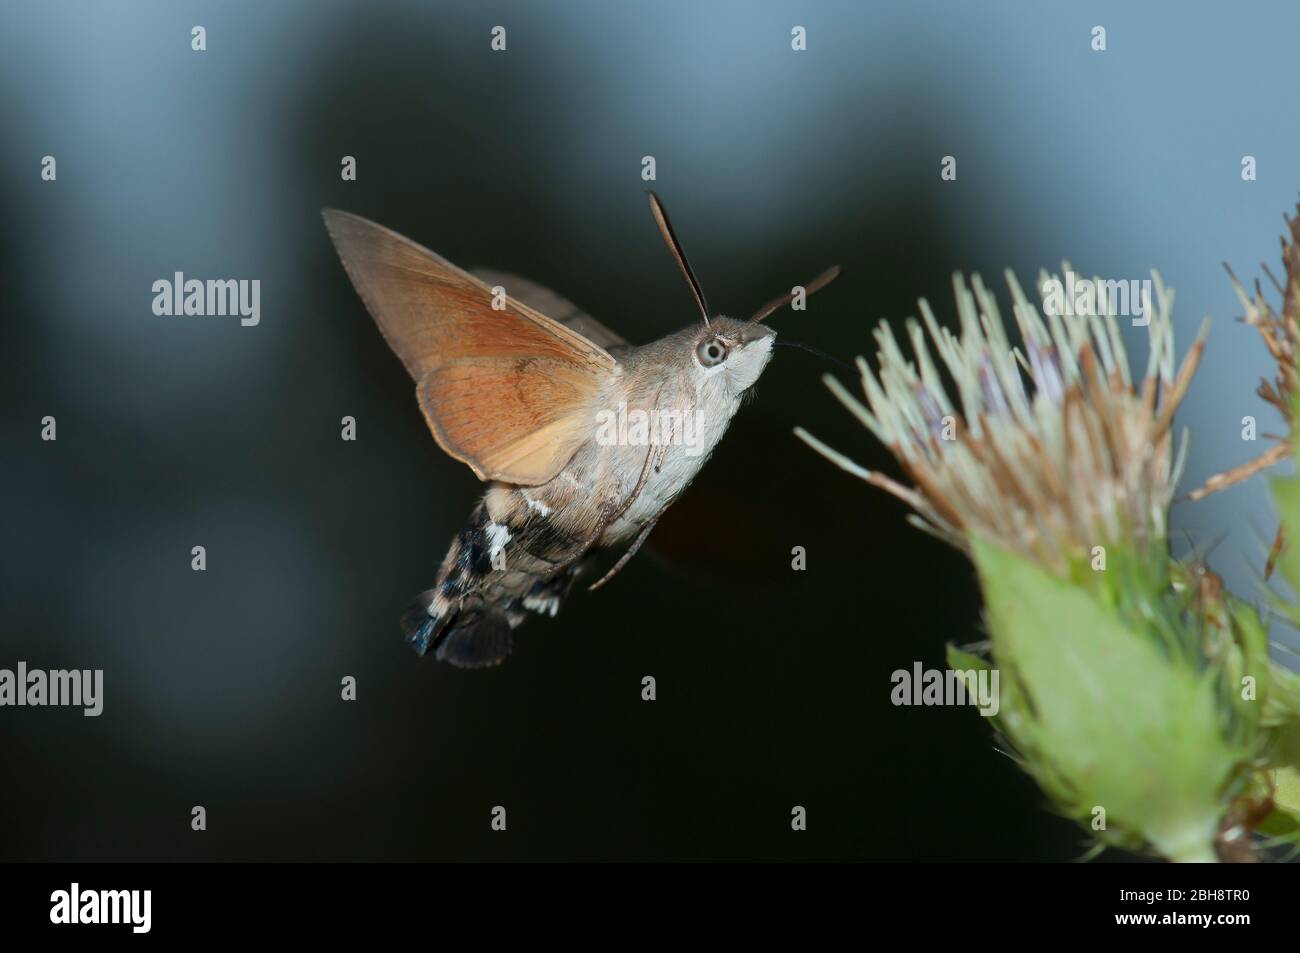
{"x": 726, "y": 351}
{"x": 730, "y": 352}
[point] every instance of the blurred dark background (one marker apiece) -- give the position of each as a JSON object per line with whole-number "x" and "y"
{"x": 222, "y": 687}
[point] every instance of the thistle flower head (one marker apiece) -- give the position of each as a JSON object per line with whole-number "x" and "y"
{"x": 1116, "y": 695}
{"x": 1048, "y": 448}
{"x": 1281, "y": 335}
{"x": 1280, "y": 331}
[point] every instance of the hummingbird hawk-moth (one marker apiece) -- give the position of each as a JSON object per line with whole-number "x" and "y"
{"x": 583, "y": 439}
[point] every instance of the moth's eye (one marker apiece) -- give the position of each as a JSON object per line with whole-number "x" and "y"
{"x": 711, "y": 352}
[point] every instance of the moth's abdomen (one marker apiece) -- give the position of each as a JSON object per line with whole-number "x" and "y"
{"x": 465, "y": 638}
{"x": 487, "y": 584}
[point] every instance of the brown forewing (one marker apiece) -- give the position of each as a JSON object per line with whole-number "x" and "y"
{"x": 509, "y": 392}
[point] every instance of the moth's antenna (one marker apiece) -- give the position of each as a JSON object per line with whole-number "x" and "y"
{"x": 817, "y": 284}
{"x": 674, "y": 246}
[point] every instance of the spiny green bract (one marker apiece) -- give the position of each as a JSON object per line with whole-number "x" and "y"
{"x": 1112, "y": 701}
